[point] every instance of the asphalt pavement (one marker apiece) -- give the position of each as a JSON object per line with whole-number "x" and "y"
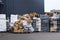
{"x": 30, "y": 36}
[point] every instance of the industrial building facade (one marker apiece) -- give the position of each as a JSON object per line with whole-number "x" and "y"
{"x": 22, "y": 6}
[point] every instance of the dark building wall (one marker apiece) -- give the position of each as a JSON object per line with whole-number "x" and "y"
{"x": 23, "y": 6}
{"x": 1, "y": 6}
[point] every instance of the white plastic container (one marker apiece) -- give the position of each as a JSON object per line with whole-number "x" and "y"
{"x": 13, "y": 18}
{"x": 38, "y": 24}
{"x": 3, "y": 26}
{"x": 2, "y": 16}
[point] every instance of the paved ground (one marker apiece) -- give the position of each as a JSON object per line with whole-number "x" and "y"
{"x": 32, "y": 36}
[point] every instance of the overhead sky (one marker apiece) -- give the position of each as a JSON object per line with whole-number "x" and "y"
{"x": 51, "y": 4}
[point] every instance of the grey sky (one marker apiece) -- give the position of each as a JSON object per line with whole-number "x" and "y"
{"x": 51, "y": 4}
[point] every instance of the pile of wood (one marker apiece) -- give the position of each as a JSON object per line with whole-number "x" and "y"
{"x": 34, "y": 14}
{"x": 18, "y": 27}
{"x": 50, "y": 14}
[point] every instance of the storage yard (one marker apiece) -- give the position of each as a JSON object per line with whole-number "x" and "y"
{"x": 26, "y": 20}
{"x": 32, "y": 22}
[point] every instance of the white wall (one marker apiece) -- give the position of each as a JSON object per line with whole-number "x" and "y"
{"x": 51, "y": 4}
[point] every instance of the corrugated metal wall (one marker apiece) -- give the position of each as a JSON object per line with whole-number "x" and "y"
{"x": 23, "y": 6}
{"x": 1, "y": 6}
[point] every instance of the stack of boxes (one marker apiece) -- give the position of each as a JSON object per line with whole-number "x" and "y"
{"x": 53, "y": 26}
{"x": 58, "y": 24}
{"x": 38, "y": 24}
{"x": 44, "y": 23}
{"x": 3, "y": 27}
{"x": 41, "y": 23}
{"x": 34, "y": 23}
{"x": 13, "y": 19}
{"x": 54, "y": 22}
{"x": 15, "y": 23}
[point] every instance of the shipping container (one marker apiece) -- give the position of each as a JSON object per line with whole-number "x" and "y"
{"x": 1, "y": 6}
